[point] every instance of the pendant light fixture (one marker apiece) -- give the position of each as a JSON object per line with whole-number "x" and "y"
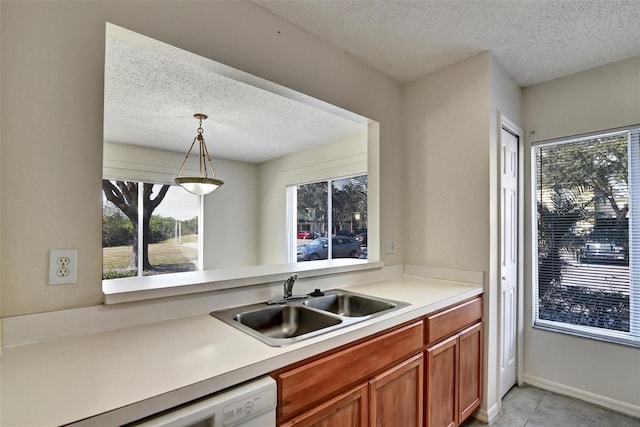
{"x": 202, "y": 184}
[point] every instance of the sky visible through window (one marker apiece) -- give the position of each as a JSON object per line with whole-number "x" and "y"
{"x": 179, "y": 204}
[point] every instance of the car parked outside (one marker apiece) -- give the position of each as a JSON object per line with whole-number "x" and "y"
{"x": 599, "y": 248}
{"x": 307, "y": 234}
{"x": 342, "y": 247}
{"x": 362, "y": 253}
{"x": 362, "y": 238}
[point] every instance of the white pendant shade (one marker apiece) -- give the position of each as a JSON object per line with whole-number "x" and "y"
{"x": 202, "y": 184}
{"x": 199, "y": 186}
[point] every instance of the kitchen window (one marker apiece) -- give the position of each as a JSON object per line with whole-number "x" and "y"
{"x": 586, "y": 256}
{"x": 148, "y": 232}
{"x": 318, "y": 235}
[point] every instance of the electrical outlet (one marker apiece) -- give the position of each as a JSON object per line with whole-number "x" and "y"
{"x": 390, "y": 246}
{"x": 62, "y": 266}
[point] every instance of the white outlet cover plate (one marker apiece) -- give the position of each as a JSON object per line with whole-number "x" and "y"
{"x": 390, "y": 246}
{"x": 54, "y": 277}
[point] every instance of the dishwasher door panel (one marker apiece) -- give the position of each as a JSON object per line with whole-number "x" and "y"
{"x": 251, "y": 404}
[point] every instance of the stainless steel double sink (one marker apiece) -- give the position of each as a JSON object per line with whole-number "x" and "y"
{"x": 296, "y": 320}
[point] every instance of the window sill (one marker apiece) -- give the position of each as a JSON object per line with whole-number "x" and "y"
{"x": 619, "y": 338}
{"x": 166, "y": 285}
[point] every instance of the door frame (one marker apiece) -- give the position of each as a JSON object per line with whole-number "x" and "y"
{"x": 511, "y": 127}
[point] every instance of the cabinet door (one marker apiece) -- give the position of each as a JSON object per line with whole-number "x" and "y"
{"x": 441, "y": 400}
{"x": 349, "y": 409}
{"x": 395, "y": 396}
{"x": 470, "y": 371}
{"x": 310, "y": 384}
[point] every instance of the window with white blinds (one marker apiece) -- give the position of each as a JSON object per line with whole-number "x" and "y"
{"x": 587, "y": 235}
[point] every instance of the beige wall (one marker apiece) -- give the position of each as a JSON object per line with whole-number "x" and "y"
{"x": 452, "y": 122}
{"x": 602, "y": 98}
{"x": 1, "y": 329}
{"x": 52, "y": 98}
{"x": 231, "y": 227}
{"x": 447, "y": 120}
{"x": 447, "y": 155}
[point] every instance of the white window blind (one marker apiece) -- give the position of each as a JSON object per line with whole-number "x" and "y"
{"x": 587, "y": 228}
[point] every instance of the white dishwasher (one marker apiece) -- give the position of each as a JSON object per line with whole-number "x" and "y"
{"x": 251, "y": 404}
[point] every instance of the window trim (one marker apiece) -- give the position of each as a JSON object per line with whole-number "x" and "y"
{"x": 292, "y": 216}
{"x": 631, "y": 338}
{"x": 150, "y": 287}
{"x": 579, "y": 137}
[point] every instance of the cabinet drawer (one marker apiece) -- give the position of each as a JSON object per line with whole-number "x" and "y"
{"x": 347, "y": 409}
{"x": 305, "y": 386}
{"x": 452, "y": 320}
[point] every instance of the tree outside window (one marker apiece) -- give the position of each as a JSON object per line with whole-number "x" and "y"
{"x": 583, "y": 196}
{"x": 346, "y": 199}
{"x": 151, "y": 232}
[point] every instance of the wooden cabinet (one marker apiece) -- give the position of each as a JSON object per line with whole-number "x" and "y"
{"x": 349, "y": 409}
{"x": 392, "y": 398}
{"x": 469, "y": 371}
{"x": 363, "y": 382}
{"x": 395, "y": 396}
{"x": 426, "y": 373}
{"x": 441, "y": 397}
{"x": 453, "y": 355}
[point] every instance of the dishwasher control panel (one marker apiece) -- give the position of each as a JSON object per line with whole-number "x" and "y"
{"x": 251, "y": 404}
{"x": 248, "y": 405}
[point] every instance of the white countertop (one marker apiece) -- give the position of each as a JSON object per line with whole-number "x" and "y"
{"x": 129, "y": 373}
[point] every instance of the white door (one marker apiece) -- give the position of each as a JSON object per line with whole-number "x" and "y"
{"x": 509, "y": 258}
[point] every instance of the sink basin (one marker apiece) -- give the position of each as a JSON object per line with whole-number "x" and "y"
{"x": 295, "y": 320}
{"x": 349, "y": 305}
{"x": 279, "y": 325}
{"x": 285, "y": 321}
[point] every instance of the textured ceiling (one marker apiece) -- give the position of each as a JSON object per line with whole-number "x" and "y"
{"x": 153, "y": 89}
{"x": 534, "y": 40}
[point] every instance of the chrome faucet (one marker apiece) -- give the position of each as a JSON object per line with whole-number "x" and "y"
{"x": 288, "y": 292}
{"x": 288, "y": 285}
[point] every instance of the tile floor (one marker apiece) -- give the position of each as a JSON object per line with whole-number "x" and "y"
{"x": 532, "y": 407}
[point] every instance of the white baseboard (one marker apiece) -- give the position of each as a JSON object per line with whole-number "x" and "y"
{"x": 606, "y": 402}
{"x": 487, "y": 416}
